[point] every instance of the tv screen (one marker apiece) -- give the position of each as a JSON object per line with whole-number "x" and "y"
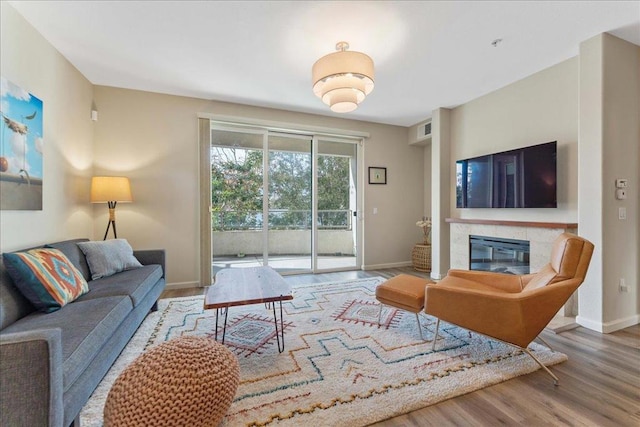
{"x": 521, "y": 178}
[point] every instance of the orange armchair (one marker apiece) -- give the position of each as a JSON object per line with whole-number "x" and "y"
{"x": 510, "y": 308}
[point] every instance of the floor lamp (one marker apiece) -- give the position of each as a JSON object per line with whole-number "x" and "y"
{"x": 110, "y": 190}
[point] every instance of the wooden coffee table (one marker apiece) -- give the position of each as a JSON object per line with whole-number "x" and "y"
{"x": 245, "y": 286}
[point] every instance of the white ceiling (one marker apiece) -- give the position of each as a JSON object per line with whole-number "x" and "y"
{"x": 427, "y": 54}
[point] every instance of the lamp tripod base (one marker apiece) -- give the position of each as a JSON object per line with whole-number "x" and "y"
{"x": 112, "y": 220}
{"x": 111, "y": 223}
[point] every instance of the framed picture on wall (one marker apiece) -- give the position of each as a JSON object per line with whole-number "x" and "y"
{"x": 21, "y": 149}
{"x": 377, "y": 175}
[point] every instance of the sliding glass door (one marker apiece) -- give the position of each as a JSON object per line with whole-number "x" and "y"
{"x": 284, "y": 200}
{"x": 290, "y": 203}
{"x": 237, "y": 193}
{"x": 336, "y": 229}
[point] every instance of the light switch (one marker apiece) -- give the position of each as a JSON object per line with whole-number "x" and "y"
{"x": 622, "y": 213}
{"x": 375, "y": 211}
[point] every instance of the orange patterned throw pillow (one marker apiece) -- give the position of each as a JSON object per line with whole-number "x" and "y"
{"x": 45, "y": 277}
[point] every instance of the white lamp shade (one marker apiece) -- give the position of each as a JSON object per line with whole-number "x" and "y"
{"x": 343, "y": 79}
{"x": 110, "y": 189}
{"x": 340, "y": 84}
{"x": 343, "y": 100}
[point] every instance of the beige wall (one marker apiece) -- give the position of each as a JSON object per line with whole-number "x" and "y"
{"x": 540, "y": 108}
{"x": 610, "y": 149}
{"x": 426, "y": 144}
{"x": 29, "y": 61}
{"x": 621, "y": 138}
{"x": 152, "y": 138}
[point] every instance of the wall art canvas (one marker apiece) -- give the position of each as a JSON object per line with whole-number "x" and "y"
{"x": 21, "y": 149}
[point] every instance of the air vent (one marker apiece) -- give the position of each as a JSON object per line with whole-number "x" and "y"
{"x": 424, "y": 130}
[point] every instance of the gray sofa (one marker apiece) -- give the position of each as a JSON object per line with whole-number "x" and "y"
{"x": 50, "y": 363}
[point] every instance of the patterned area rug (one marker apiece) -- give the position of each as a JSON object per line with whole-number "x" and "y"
{"x": 339, "y": 367}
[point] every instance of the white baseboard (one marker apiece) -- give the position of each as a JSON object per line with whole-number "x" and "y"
{"x": 616, "y": 325}
{"x": 389, "y": 265}
{"x": 608, "y": 327}
{"x": 182, "y": 285}
{"x": 589, "y": 324}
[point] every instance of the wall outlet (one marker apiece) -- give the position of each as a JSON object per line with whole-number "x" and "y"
{"x": 623, "y": 286}
{"x": 621, "y": 194}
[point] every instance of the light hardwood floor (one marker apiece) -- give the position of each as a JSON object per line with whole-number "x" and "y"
{"x": 599, "y": 384}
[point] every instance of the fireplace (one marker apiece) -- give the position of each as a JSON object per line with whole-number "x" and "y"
{"x": 499, "y": 255}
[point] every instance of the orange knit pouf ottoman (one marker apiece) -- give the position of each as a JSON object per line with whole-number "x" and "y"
{"x": 187, "y": 381}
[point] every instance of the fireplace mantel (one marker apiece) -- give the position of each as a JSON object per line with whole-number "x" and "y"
{"x": 560, "y": 225}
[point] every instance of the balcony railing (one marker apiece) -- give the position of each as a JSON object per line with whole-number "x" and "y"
{"x": 281, "y": 219}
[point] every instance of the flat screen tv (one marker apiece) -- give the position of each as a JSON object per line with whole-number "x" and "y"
{"x": 521, "y": 178}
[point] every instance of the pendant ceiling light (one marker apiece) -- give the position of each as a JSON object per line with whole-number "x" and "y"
{"x": 343, "y": 79}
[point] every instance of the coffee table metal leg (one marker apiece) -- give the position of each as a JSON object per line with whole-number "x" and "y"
{"x": 224, "y": 327}
{"x": 280, "y": 334}
{"x": 217, "y": 309}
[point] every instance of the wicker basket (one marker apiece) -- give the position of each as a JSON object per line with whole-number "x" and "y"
{"x": 421, "y": 258}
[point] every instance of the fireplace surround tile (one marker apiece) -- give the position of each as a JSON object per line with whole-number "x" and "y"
{"x": 541, "y": 240}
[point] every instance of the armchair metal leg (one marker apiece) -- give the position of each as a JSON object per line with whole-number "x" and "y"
{"x": 417, "y": 321}
{"x": 544, "y": 342}
{"x": 555, "y": 379}
{"x": 435, "y": 336}
{"x": 526, "y": 350}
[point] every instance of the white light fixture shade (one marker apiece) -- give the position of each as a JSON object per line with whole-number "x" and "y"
{"x": 110, "y": 189}
{"x": 343, "y": 79}
{"x": 336, "y": 85}
{"x": 343, "y": 100}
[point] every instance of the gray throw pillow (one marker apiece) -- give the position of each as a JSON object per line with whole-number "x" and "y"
{"x": 108, "y": 257}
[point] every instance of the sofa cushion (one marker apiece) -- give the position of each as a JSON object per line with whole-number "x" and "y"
{"x": 108, "y": 257}
{"x": 45, "y": 277}
{"x": 132, "y": 283}
{"x": 71, "y": 249}
{"x": 85, "y": 327}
